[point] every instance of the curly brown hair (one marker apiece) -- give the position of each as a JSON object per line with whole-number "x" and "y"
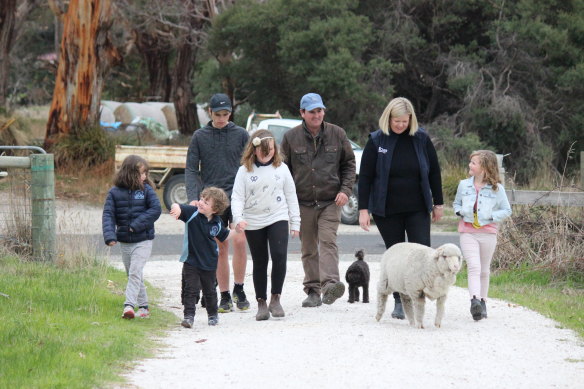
{"x": 488, "y": 161}
{"x": 219, "y": 197}
{"x": 129, "y": 174}
{"x": 264, "y": 136}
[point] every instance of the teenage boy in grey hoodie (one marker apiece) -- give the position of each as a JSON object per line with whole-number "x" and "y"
{"x": 213, "y": 160}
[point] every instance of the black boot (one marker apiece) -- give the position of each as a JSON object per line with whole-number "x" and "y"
{"x": 484, "y": 306}
{"x": 398, "y": 310}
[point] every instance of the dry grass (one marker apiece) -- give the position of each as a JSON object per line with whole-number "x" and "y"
{"x": 547, "y": 238}
{"x": 15, "y": 220}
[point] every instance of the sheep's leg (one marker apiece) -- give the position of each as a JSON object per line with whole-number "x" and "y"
{"x": 366, "y": 293}
{"x": 419, "y": 307}
{"x": 351, "y": 293}
{"x": 381, "y": 301}
{"x": 407, "y": 304}
{"x": 356, "y": 293}
{"x": 439, "y": 310}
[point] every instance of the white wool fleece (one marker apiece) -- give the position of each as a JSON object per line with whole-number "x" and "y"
{"x": 264, "y": 196}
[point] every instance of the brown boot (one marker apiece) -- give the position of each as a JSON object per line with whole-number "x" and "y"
{"x": 263, "y": 313}
{"x": 275, "y": 307}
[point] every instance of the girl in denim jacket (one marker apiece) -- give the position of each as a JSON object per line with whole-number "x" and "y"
{"x": 482, "y": 203}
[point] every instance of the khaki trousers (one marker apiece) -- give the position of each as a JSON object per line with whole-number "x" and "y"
{"x": 320, "y": 254}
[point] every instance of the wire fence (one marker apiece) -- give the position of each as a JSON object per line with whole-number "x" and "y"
{"x": 16, "y": 210}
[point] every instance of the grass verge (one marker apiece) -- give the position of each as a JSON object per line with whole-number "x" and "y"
{"x": 560, "y": 301}
{"x": 63, "y": 327}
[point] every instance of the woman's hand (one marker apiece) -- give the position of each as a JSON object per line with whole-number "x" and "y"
{"x": 364, "y": 219}
{"x": 437, "y": 212}
{"x": 294, "y": 233}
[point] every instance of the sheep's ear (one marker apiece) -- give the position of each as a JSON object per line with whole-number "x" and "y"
{"x": 438, "y": 253}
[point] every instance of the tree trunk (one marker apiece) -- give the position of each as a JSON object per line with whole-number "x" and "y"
{"x": 7, "y": 23}
{"x": 86, "y": 54}
{"x": 156, "y": 59}
{"x": 193, "y": 21}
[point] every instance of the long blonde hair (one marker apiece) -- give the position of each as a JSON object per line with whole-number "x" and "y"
{"x": 263, "y": 137}
{"x": 398, "y": 107}
{"x": 490, "y": 166}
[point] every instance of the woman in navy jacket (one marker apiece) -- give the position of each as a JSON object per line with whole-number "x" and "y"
{"x": 129, "y": 213}
{"x": 399, "y": 181}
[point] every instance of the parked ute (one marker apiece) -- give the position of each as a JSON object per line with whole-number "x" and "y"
{"x": 278, "y": 127}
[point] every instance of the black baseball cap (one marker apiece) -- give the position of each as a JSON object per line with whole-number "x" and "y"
{"x": 220, "y": 102}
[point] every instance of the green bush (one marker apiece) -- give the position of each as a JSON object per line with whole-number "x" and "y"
{"x": 91, "y": 142}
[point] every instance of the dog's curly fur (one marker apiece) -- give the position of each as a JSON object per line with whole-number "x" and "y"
{"x": 358, "y": 276}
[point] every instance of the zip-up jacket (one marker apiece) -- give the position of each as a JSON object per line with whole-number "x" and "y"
{"x": 376, "y": 163}
{"x": 321, "y": 166}
{"x": 126, "y": 209}
{"x": 213, "y": 158}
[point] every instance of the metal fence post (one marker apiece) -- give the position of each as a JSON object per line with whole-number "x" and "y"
{"x": 43, "y": 216}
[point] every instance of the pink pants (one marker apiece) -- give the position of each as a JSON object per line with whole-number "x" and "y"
{"x": 478, "y": 250}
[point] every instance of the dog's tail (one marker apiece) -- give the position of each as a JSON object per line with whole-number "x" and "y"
{"x": 360, "y": 255}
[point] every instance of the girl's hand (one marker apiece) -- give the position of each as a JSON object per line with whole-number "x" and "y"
{"x": 294, "y": 233}
{"x": 175, "y": 210}
{"x": 240, "y": 227}
{"x": 364, "y": 219}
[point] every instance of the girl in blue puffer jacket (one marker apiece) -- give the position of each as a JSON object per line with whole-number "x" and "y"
{"x": 481, "y": 203}
{"x": 129, "y": 213}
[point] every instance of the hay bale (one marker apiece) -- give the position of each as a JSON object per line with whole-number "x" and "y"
{"x": 106, "y": 114}
{"x": 112, "y": 105}
{"x": 127, "y": 112}
{"x": 168, "y": 112}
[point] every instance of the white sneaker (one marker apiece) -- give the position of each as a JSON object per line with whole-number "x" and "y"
{"x": 143, "y": 313}
{"x": 128, "y": 312}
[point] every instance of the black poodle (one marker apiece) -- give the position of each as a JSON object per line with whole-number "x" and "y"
{"x": 358, "y": 276}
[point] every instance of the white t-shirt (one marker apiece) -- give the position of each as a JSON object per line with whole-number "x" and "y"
{"x": 264, "y": 196}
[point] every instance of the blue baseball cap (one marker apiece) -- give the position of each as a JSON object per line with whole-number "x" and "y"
{"x": 220, "y": 102}
{"x": 311, "y": 101}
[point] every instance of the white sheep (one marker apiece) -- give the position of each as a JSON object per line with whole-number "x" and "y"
{"x": 416, "y": 272}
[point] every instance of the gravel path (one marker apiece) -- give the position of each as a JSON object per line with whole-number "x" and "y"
{"x": 342, "y": 345}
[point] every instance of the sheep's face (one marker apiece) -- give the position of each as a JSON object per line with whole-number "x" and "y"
{"x": 449, "y": 258}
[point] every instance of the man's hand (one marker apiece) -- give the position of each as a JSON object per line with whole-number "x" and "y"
{"x": 194, "y": 203}
{"x": 341, "y": 199}
{"x": 175, "y": 210}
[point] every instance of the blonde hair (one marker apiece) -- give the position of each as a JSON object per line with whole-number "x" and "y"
{"x": 398, "y": 107}
{"x": 490, "y": 166}
{"x": 219, "y": 197}
{"x": 263, "y": 137}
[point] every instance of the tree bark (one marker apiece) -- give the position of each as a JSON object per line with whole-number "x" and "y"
{"x": 156, "y": 59}
{"x": 7, "y": 23}
{"x": 86, "y": 55}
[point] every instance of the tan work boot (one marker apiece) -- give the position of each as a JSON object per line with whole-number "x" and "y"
{"x": 275, "y": 307}
{"x": 263, "y": 313}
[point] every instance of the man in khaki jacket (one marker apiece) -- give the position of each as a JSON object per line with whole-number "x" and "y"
{"x": 322, "y": 163}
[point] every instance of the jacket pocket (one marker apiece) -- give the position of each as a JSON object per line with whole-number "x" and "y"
{"x": 330, "y": 154}
{"x": 301, "y": 154}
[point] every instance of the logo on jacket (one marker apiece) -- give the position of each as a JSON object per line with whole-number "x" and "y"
{"x": 381, "y": 150}
{"x": 214, "y": 231}
{"x": 139, "y": 195}
{"x": 254, "y": 178}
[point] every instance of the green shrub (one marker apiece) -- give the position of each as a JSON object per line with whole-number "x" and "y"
{"x": 84, "y": 147}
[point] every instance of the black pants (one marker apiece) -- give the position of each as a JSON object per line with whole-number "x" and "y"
{"x": 276, "y": 236}
{"x": 393, "y": 229}
{"x": 192, "y": 281}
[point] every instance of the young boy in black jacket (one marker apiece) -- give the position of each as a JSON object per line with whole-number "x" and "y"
{"x": 202, "y": 226}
